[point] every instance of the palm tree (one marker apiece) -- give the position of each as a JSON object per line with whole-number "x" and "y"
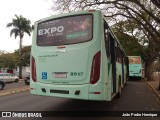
{"x": 20, "y": 25}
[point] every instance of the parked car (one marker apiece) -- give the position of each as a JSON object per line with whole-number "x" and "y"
{"x": 8, "y": 77}
{"x": 27, "y": 80}
{"x": 2, "y": 84}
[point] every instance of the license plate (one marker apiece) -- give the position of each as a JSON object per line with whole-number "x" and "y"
{"x": 60, "y": 74}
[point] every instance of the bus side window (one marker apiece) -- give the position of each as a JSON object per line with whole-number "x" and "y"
{"x": 108, "y": 47}
{"x": 118, "y": 54}
{"x": 107, "y": 41}
{"x": 117, "y": 51}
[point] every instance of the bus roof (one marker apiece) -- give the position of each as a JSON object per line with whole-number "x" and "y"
{"x": 68, "y": 14}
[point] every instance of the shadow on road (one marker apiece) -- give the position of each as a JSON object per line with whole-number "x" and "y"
{"x": 136, "y": 79}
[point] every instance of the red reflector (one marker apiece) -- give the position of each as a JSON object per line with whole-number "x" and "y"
{"x": 59, "y": 47}
{"x": 97, "y": 92}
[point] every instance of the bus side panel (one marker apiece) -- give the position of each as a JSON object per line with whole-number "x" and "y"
{"x": 96, "y": 92}
{"x": 125, "y": 74}
{"x": 119, "y": 74}
{"x": 106, "y": 70}
{"x": 33, "y": 87}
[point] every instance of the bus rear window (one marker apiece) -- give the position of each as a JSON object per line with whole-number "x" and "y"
{"x": 134, "y": 60}
{"x": 68, "y": 30}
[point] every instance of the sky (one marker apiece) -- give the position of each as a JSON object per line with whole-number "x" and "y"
{"x": 30, "y": 9}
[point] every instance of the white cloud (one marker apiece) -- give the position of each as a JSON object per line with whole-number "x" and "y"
{"x": 30, "y": 9}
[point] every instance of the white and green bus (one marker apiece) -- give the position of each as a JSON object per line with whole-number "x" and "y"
{"x": 76, "y": 55}
{"x": 135, "y": 67}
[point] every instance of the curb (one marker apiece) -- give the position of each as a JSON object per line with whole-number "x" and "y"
{"x": 153, "y": 89}
{"x": 14, "y": 91}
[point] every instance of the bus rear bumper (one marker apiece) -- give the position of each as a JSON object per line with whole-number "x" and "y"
{"x": 68, "y": 91}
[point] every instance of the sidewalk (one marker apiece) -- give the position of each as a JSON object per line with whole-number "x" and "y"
{"x": 14, "y": 90}
{"x": 155, "y": 84}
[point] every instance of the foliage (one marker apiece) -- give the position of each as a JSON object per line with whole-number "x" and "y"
{"x": 7, "y": 60}
{"x": 11, "y": 60}
{"x": 156, "y": 2}
{"x": 142, "y": 13}
{"x": 25, "y": 55}
{"x": 128, "y": 43}
{"x": 20, "y": 26}
{"x": 156, "y": 66}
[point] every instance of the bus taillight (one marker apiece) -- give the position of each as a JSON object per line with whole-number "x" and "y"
{"x": 34, "y": 77}
{"x": 95, "y": 70}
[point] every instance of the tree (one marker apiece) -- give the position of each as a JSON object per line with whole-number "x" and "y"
{"x": 119, "y": 10}
{"x": 140, "y": 18}
{"x": 129, "y": 42}
{"x": 25, "y": 55}
{"x": 20, "y": 25}
{"x": 11, "y": 60}
{"x": 156, "y": 3}
{"x": 7, "y": 60}
{"x": 135, "y": 44}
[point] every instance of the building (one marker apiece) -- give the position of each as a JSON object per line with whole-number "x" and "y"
{"x": 25, "y": 71}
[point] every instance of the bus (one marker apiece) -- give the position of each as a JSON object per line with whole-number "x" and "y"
{"x": 135, "y": 67}
{"x": 76, "y": 55}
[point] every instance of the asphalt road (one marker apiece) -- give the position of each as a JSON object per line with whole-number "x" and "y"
{"x": 136, "y": 96}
